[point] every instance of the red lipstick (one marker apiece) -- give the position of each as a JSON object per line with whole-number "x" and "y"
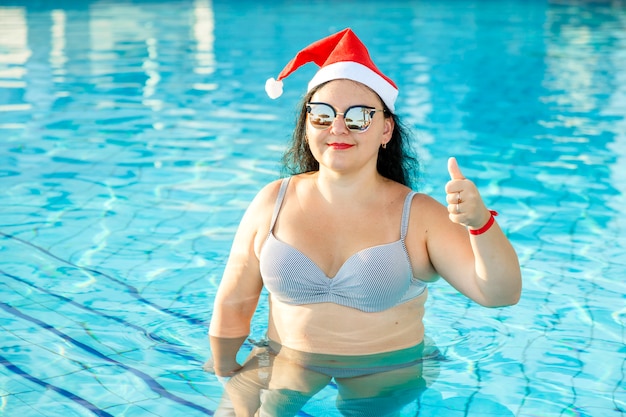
{"x": 340, "y": 146}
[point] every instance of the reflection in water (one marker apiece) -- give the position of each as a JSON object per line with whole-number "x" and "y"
{"x": 277, "y": 381}
{"x": 203, "y": 28}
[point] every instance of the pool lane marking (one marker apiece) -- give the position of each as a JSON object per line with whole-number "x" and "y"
{"x": 150, "y": 382}
{"x": 131, "y": 290}
{"x": 147, "y": 334}
{"x": 67, "y": 394}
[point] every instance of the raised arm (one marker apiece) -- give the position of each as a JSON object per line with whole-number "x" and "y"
{"x": 239, "y": 290}
{"x": 484, "y": 265}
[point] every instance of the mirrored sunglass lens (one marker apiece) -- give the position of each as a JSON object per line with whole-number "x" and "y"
{"x": 321, "y": 116}
{"x": 358, "y": 118}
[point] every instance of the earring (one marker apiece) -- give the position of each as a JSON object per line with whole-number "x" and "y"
{"x": 384, "y": 145}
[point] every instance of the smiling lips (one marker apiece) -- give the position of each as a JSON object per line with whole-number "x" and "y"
{"x": 340, "y": 146}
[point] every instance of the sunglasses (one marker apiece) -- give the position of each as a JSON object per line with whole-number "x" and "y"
{"x": 357, "y": 118}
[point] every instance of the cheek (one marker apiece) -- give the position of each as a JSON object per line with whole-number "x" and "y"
{"x": 313, "y": 140}
{"x": 312, "y": 135}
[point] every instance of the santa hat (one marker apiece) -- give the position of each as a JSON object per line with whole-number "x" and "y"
{"x": 339, "y": 56}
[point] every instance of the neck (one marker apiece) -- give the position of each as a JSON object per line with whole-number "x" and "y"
{"x": 335, "y": 187}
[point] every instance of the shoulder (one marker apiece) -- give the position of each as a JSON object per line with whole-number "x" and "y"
{"x": 419, "y": 201}
{"x": 268, "y": 194}
{"x": 426, "y": 210}
{"x": 425, "y": 202}
{"x": 255, "y": 223}
{"x": 260, "y": 209}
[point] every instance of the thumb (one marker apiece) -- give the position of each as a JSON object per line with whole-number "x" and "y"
{"x": 454, "y": 170}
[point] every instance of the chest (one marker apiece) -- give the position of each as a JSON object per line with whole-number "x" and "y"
{"x": 330, "y": 239}
{"x": 373, "y": 279}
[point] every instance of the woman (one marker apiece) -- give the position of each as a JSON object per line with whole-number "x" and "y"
{"x": 345, "y": 249}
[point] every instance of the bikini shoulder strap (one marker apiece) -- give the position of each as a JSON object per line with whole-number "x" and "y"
{"x": 406, "y": 211}
{"x": 279, "y": 200}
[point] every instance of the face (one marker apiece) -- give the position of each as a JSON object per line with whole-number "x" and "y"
{"x": 337, "y": 147}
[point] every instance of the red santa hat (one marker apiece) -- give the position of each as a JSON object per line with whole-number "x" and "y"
{"x": 339, "y": 56}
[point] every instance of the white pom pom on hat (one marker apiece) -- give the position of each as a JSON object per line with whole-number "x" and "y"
{"x": 339, "y": 56}
{"x": 273, "y": 88}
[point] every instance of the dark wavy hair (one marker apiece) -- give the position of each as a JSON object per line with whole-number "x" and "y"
{"x": 397, "y": 162}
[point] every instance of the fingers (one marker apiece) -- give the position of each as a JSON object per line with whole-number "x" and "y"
{"x": 465, "y": 205}
{"x": 457, "y": 183}
{"x": 455, "y": 197}
{"x": 454, "y": 170}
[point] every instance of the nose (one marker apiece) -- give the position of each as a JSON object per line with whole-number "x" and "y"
{"x": 338, "y": 127}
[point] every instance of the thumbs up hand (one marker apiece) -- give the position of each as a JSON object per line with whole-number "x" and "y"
{"x": 465, "y": 205}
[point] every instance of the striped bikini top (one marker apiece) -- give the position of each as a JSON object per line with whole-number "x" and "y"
{"x": 373, "y": 279}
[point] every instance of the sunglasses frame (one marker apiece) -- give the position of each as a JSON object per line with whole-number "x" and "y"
{"x": 372, "y": 112}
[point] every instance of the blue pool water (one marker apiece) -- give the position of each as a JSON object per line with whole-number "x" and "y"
{"x": 133, "y": 134}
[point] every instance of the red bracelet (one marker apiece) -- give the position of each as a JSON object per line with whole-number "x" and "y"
{"x": 487, "y": 226}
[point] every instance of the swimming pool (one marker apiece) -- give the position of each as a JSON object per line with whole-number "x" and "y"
{"x": 134, "y": 133}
